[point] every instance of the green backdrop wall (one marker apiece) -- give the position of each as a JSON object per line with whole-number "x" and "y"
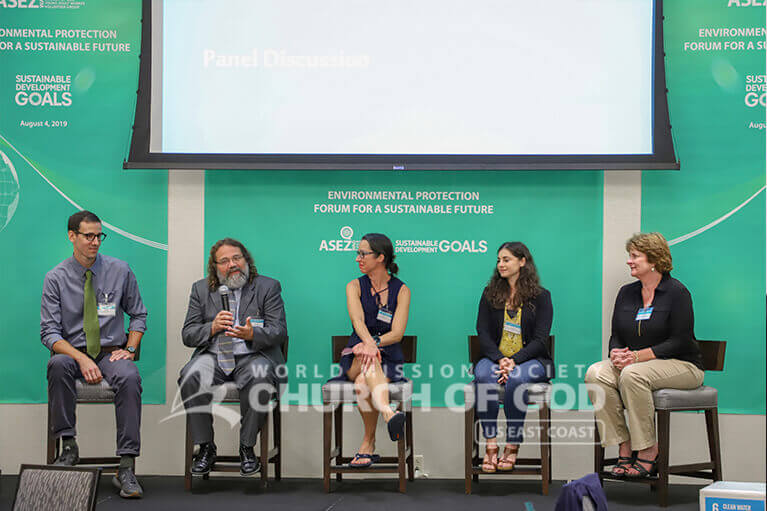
{"x": 278, "y": 215}
{"x": 715, "y": 74}
{"x": 719, "y": 126}
{"x": 59, "y": 153}
{"x": 64, "y": 148}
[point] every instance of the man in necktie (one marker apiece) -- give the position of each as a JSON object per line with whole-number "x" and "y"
{"x": 242, "y": 344}
{"x": 84, "y": 301}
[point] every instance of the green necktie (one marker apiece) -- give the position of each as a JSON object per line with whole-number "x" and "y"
{"x": 90, "y": 317}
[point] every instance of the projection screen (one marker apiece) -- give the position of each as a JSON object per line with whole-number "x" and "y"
{"x": 402, "y": 84}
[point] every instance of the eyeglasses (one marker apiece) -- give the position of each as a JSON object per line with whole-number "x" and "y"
{"x": 225, "y": 261}
{"x": 90, "y": 236}
{"x": 362, "y": 253}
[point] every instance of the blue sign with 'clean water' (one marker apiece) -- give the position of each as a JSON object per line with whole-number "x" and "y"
{"x": 720, "y": 504}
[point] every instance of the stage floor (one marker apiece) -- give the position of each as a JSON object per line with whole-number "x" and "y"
{"x": 230, "y": 494}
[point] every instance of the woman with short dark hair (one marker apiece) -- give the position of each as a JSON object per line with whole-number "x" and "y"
{"x": 378, "y": 304}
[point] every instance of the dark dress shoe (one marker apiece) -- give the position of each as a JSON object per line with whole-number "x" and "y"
{"x": 205, "y": 459}
{"x": 125, "y": 481}
{"x": 249, "y": 464}
{"x": 68, "y": 458}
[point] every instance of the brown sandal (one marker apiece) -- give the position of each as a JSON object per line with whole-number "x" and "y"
{"x": 490, "y": 466}
{"x": 508, "y": 451}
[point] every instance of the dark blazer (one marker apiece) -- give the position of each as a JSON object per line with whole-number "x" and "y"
{"x": 260, "y": 298}
{"x": 536, "y": 326}
{"x": 669, "y": 331}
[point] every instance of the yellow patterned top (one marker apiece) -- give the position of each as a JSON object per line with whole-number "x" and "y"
{"x": 511, "y": 342}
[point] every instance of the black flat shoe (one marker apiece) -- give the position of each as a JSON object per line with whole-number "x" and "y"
{"x": 396, "y": 426}
{"x": 249, "y": 464}
{"x": 69, "y": 457}
{"x": 205, "y": 459}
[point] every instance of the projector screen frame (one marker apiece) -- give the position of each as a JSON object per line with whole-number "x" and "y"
{"x": 663, "y": 156}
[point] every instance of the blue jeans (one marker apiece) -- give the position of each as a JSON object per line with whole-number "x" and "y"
{"x": 531, "y": 371}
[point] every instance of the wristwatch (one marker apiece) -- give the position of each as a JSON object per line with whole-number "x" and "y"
{"x": 377, "y": 339}
{"x": 131, "y": 350}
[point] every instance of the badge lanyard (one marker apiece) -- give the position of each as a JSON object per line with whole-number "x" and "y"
{"x": 256, "y": 321}
{"x": 384, "y": 316}
{"x": 512, "y": 327}
{"x": 105, "y": 304}
{"x": 377, "y": 294}
{"x": 642, "y": 314}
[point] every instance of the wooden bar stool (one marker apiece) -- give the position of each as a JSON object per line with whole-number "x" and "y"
{"x": 538, "y": 394}
{"x": 231, "y": 463}
{"x": 336, "y": 393}
{"x": 87, "y": 393}
{"x": 673, "y": 400}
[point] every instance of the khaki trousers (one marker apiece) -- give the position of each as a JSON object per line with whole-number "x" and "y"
{"x": 631, "y": 389}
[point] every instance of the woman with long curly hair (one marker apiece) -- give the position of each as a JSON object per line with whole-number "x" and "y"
{"x": 513, "y": 323}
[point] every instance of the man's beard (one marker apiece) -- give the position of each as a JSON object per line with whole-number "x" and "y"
{"x": 235, "y": 279}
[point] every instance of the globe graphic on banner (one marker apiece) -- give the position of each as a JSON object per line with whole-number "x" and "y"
{"x": 9, "y": 190}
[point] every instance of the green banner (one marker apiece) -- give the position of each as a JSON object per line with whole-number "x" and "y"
{"x": 713, "y": 210}
{"x": 446, "y": 227}
{"x": 67, "y": 96}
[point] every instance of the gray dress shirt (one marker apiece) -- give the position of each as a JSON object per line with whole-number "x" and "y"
{"x": 61, "y": 310}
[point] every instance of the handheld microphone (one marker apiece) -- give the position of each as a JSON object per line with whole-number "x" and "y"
{"x": 224, "y": 292}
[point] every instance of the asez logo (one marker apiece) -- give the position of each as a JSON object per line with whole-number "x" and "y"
{"x": 345, "y": 244}
{"x": 20, "y": 4}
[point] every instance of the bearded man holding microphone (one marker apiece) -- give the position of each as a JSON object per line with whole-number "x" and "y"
{"x": 236, "y": 323}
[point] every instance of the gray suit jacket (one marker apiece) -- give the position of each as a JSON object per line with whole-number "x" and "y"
{"x": 260, "y": 298}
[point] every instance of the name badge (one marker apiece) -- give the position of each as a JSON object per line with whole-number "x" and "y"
{"x": 107, "y": 309}
{"x": 384, "y": 316}
{"x": 511, "y": 327}
{"x": 644, "y": 314}
{"x": 257, "y": 322}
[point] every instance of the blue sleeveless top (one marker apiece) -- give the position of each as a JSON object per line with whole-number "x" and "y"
{"x": 393, "y": 352}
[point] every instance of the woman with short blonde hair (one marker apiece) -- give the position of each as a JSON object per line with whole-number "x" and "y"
{"x": 652, "y": 346}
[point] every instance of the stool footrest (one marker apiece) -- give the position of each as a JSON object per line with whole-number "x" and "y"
{"x": 527, "y": 461}
{"x": 384, "y": 468}
{"x": 225, "y": 467}
{"x": 382, "y": 460}
{"x": 691, "y": 467}
{"x": 646, "y": 480}
{"x": 99, "y": 461}
{"x": 699, "y": 474}
{"x": 516, "y": 471}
